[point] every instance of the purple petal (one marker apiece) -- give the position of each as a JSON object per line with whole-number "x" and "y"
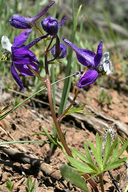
{"x": 16, "y": 77}
{"x": 42, "y": 13}
{"x": 99, "y": 48}
{"x": 97, "y": 60}
{"x": 23, "y": 56}
{"x": 98, "y": 56}
{"x": 35, "y": 41}
{"x": 22, "y": 38}
{"x": 84, "y": 56}
{"x": 88, "y": 78}
{"x": 62, "y": 22}
{"x": 24, "y": 70}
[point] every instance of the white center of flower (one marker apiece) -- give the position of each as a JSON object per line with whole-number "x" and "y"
{"x": 105, "y": 64}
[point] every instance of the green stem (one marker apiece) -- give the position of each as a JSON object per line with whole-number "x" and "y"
{"x": 86, "y": 176}
{"x": 101, "y": 182}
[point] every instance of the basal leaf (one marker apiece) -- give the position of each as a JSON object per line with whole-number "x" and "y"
{"x": 95, "y": 153}
{"x": 124, "y": 141}
{"x": 107, "y": 149}
{"x": 88, "y": 155}
{"x": 115, "y": 164}
{"x": 83, "y": 158}
{"x": 116, "y": 153}
{"x": 109, "y": 152}
{"x": 99, "y": 151}
{"x": 80, "y": 167}
{"x": 69, "y": 174}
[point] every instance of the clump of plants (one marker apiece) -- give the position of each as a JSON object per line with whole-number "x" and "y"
{"x": 95, "y": 162}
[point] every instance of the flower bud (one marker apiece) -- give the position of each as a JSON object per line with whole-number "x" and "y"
{"x": 63, "y": 51}
{"x": 19, "y": 22}
{"x": 50, "y": 25}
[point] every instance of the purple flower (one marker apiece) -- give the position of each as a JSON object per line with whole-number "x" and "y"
{"x": 63, "y": 51}
{"x": 21, "y": 22}
{"x": 96, "y": 63}
{"x": 51, "y": 25}
{"x": 22, "y": 56}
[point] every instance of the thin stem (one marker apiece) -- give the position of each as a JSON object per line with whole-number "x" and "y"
{"x": 49, "y": 45}
{"x": 101, "y": 182}
{"x": 63, "y": 114}
{"x": 114, "y": 181}
{"x": 86, "y": 176}
{"x": 48, "y": 84}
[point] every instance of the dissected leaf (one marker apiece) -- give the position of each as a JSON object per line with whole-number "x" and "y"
{"x": 75, "y": 110}
{"x": 69, "y": 174}
{"x": 111, "y": 148}
{"x": 115, "y": 164}
{"x": 80, "y": 167}
{"x": 99, "y": 151}
{"x": 88, "y": 155}
{"x": 107, "y": 149}
{"x": 9, "y": 185}
{"x": 124, "y": 141}
{"x": 117, "y": 154}
{"x": 89, "y": 162}
{"x": 96, "y": 154}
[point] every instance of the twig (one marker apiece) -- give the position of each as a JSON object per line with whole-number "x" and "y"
{"x": 114, "y": 181}
{"x": 120, "y": 125}
{"x": 34, "y": 162}
{"x": 22, "y": 157}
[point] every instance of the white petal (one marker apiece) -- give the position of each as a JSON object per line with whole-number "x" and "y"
{"x": 6, "y": 45}
{"x": 107, "y": 67}
{"x": 104, "y": 57}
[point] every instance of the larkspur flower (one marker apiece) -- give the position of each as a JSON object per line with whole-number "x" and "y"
{"x": 62, "y": 52}
{"x": 51, "y": 25}
{"x": 22, "y": 56}
{"x": 96, "y": 63}
{"x": 21, "y": 22}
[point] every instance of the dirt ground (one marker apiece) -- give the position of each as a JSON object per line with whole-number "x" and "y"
{"x": 27, "y": 120}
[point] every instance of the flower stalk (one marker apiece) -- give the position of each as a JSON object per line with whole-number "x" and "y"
{"x": 48, "y": 85}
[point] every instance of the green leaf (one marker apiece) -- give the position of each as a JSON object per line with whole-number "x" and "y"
{"x": 99, "y": 151}
{"x": 95, "y": 153}
{"x": 76, "y": 110}
{"x": 80, "y": 167}
{"x": 9, "y": 185}
{"x": 83, "y": 158}
{"x": 30, "y": 186}
{"x": 69, "y": 174}
{"x": 52, "y": 139}
{"x": 67, "y": 82}
{"x": 36, "y": 93}
{"x": 88, "y": 155}
{"x": 116, "y": 153}
{"x": 107, "y": 149}
{"x": 124, "y": 141}
{"x": 115, "y": 164}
